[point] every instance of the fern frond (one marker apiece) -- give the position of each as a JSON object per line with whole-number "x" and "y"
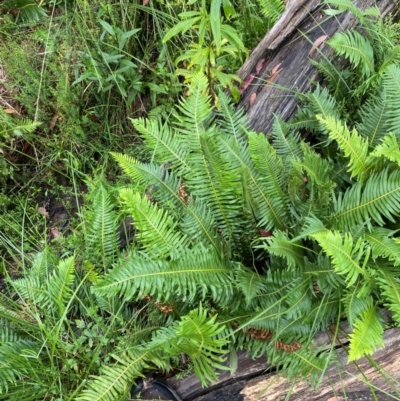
{"x": 101, "y": 237}
{"x": 250, "y": 283}
{"x": 319, "y": 102}
{"x": 391, "y": 84}
{"x": 231, "y": 122}
{"x": 16, "y": 359}
{"x": 198, "y": 338}
{"x": 389, "y": 284}
{"x": 356, "y": 48}
{"x": 163, "y": 144}
{"x": 352, "y": 145}
{"x": 195, "y": 113}
{"x": 286, "y": 144}
{"x": 116, "y": 380}
{"x": 353, "y": 304}
{"x": 198, "y": 224}
{"x": 197, "y": 272}
{"x": 389, "y": 149}
{"x": 254, "y": 191}
{"x": 382, "y": 245}
{"x": 197, "y": 221}
{"x": 376, "y": 199}
{"x": 271, "y": 9}
{"x": 60, "y": 283}
{"x": 373, "y": 120}
{"x": 367, "y": 335}
{"x": 280, "y": 245}
{"x": 155, "y": 229}
{"x": 346, "y": 255}
{"x": 335, "y": 79}
{"x": 272, "y": 179}
{"x": 15, "y": 127}
{"x": 216, "y": 183}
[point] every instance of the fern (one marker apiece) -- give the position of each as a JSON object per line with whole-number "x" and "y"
{"x": 351, "y": 144}
{"x": 345, "y": 254}
{"x": 367, "y": 334}
{"x": 356, "y": 48}
{"x": 194, "y": 335}
{"x": 101, "y": 237}
{"x": 196, "y": 273}
{"x": 389, "y": 148}
{"x": 378, "y": 197}
{"x": 271, "y": 8}
{"x": 155, "y": 229}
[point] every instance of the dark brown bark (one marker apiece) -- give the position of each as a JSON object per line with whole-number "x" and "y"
{"x": 286, "y": 52}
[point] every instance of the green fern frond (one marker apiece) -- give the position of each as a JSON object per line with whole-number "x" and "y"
{"x": 230, "y": 121}
{"x": 29, "y": 10}
{"x": 198, "y": 338}
{"x": 353, "y": 304}
{"x": 318, "y": 102}
{"x": 155, "y": 228}
{"x": 101, "y": 237}
{"x": 33, "y": 291}
{"x": 253, "y": 189}
{"x": 356, "y": 48}
{"x": 217, "y": 185}
{"x": 336, "y": 79}
{"x": 391, "y": 85}
{"x": 280, "y": 245}
{"x": 367, "y": 335}
{"x": 163, "y": 144}
{"x": 16, "y": 359}
{"x": 15, "y": 127}
{"x": 197, "y": 221}
{"x": 375, "y": 199}
{"x": 373, "y": 120}
{"x": 197, "y": 272}
{"x": 195, "y": 113}
{"x": 286, "y": 144}
{"x": 199, "y": 225}
{"x": 271, "y": 9}
{"x": 250, "y": 283}
{"x": 348, "y": 5}
{"x": 389, "y": 149}
{"x": 389, "y": 284}
{"x": 346, "y": 255}
{"x": 351, "y": 144}
{"x": 116, "y": 380}
{"x": 155, "y": 179}
{"x": 382, "y": 245}
{"x": 272, "y": 179}
{"x": 60, "y": 283}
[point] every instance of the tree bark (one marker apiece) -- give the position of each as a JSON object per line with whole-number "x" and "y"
{"x": 279, "y": 66}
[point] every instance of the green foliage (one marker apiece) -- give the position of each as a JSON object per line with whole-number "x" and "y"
{"x": 241, "y": 241}
{"x": 215, "y": 40}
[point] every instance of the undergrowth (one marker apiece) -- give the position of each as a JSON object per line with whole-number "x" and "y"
{"x": 200, "y": 236}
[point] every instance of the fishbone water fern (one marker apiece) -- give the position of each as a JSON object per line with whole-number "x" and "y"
{"x": 254, "y": 242}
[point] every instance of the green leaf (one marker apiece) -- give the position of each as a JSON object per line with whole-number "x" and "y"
{"x": 180, "y": 27}
{"x": 107, "y": 27}
{"x": 215, "y": 23}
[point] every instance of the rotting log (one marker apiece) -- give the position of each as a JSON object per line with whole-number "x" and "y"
{"x": 279, "y": 66}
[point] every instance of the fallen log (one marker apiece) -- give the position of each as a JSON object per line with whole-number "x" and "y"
{"x": 279, "y": 66}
